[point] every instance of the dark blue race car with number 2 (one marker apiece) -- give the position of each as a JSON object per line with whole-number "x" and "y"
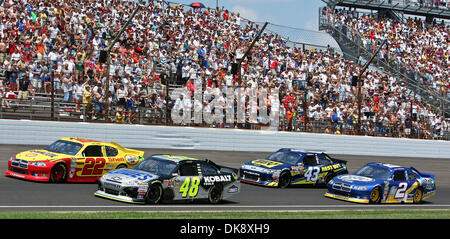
{"x": 382, "y": 183}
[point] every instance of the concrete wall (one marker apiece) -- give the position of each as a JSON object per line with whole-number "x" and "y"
{"x": 138, "y": 136}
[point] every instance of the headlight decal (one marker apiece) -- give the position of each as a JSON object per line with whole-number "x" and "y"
{"x": 39, "y": 164}
{"x": 359, "y": 188}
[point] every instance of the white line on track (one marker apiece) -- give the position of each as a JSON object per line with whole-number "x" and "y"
{"x": 242, "y": 206}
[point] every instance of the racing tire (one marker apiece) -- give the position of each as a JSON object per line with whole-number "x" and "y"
{"x": 154, "y": 194}
{"x": 121, "y": 166}
{"x": 58, "y": 174}
{"x": 418, "y": 196}
{"x": 375, "y": 196}
{"x": 285, "y": 179}
{"x": 215, "y": 194}
{"x": 328, "y": 178}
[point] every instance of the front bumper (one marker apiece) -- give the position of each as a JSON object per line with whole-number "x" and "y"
{"x": 346, "y": 192}
{"x": 29, "y": 172}
{"x": 348, "y": 198}
{"x": 120, "y": 198}
{"x": 257, "y": 178}
{"x": 118, "y": 192}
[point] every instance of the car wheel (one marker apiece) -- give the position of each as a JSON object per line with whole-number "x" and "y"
{"x": 284, "y": 180}
{"x": 58, "y": 173}
{"x": 328, "y": 178}
{"x": 121, "y": 166}
{"x": 154, "y": 194}
{"x": 215, "y": 194}
{"x": 375, "y": 196}
{"x": 418, "y": 195}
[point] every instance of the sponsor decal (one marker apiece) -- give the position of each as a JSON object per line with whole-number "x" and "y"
{"x": 428, "y": 183}
{"x": 210, "y": 180}
{"x": 111, "y": 185}
{"x": 17, "y": 175}
{"x": 142, "y": 190}
{"x": 266, "y": 163}
{"x": 134, "y": 174}
{"x": 31, "y": 155}
{"x": 111, "y": 160}
{"x": 84, "y": 140}
{"x": 253, "y": 173}
{"x": 330, "y": 167}
{"x": 233, "y": 189}
{"x": 115, "y": 178}
{"x": 351, "y": 178}
{"x": 43, "y": 153}
{"x": 297, "y": 168}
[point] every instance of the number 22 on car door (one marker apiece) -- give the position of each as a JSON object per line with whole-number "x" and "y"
{"x": 93, "y": 167}
{"x": 94, "y": 162}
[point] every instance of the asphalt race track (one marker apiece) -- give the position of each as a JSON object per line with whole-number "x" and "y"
{"x": 20, "y": 195}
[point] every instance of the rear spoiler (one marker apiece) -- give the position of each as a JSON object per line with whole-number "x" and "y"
{"x": 427, "y": 175}
{"x": 336, "y": 160}
{"x": 127, "y": 150}
{"x": 223, "y": 168}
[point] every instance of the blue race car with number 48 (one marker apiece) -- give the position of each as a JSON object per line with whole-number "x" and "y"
{"x": 382, "y": 183}
{"x": 169, "y": 177}
{"x": 292, "y": 167}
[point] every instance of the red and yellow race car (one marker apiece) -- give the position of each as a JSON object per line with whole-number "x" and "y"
{"x": 72, "y": 160}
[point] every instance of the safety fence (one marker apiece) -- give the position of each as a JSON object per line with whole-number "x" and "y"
{"x": 44, "y": 108}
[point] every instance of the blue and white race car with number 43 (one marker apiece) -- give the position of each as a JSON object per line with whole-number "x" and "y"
{"x": 287, "y": 167}
{"x": 382, "y": 183}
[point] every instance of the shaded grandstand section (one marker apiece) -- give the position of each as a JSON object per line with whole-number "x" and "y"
{"x": 429, "y": 9}
{"x": 415, "y": 53}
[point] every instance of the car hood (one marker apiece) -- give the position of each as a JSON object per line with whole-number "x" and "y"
{"x": 258, "y": 164}
{"x": 356, "y": 180}
{"x": 125, "y": 175}
{"x": 40, "y": 155}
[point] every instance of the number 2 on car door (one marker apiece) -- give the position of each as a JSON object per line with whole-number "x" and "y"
{"x": 401, "y": 191}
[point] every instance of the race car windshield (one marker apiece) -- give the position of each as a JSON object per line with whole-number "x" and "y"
{"x": 373, "y": 172}
{"x": 64, "y": 147}
{"x": 157, "y": 166}
{"x": 288, "y": 158}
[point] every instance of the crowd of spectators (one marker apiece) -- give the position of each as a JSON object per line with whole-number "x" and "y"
{"x": 64, "y": 40}
{"x": 441, "y": 4}
{"x": 422, "y": 48}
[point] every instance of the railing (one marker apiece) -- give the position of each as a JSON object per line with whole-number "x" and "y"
{"x": 39, "y": 108}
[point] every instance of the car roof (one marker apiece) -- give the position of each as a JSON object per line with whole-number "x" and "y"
{"x": 80, "y": 140}
{"x": 174, "y": 158}
{"x": 299, "y": 151}
{"x": 387, "y": 165}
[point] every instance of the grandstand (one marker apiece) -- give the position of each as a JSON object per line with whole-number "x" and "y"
{"x": 429, "y": 9}
{"x": 169, "y": 45}
{"x": 352, "y": 40}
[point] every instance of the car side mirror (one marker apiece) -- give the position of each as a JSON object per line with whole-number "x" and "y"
{"x": 175, "y": 175}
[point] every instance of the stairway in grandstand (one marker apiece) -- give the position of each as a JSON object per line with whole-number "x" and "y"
{"x": 351, "y": 43}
